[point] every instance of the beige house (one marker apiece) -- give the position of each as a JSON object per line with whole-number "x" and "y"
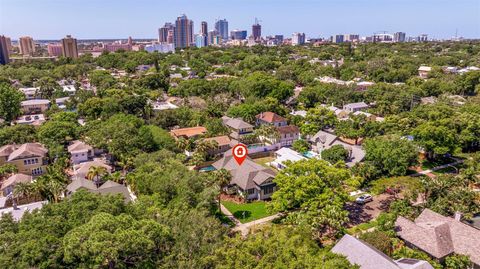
{"x": 238, "y": 127}
{"x": 30, "y": 158}
{"x": 188, "y": 132}
{"x": 423, "y": 71}
{"x": 223, "y": 144}
{"x": 9, "y": 185}
{"x": 35, "y": 106}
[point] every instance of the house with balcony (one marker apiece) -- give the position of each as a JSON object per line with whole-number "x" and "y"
{"x": 29, "y": 158}
{"x": 238, "y": 127}
{"x": 35, "y": 106}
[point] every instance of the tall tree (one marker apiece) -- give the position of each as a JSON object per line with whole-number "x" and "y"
{"x": 10, "y": 99}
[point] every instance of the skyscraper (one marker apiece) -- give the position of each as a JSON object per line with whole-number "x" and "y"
{"x": 338, "y": 39}
{"x": 164, "y": 32}
{"x": 27, "y": 47}
{"x": 4, "y": 59}
{"x": 69, "y": 47}
{"x": 238, "y": 34}
{"x": 203, "y": 33}
{"x": 256, "y": 30}
{"x": 183, "y": 36}
{"x": 221, "y": 26}
{"x": 298, "y": 38}
{"x": 399, "y": 37}
{"x": 54, "y": 50}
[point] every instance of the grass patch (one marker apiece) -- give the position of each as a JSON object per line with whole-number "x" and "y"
{"x": 361, "y": 227}
{"x": 426, "y": 164}
{"x": 264, "y": 161}
{"x": 248, "y": 211}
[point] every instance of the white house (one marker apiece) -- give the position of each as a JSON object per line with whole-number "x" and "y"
{"x": 354, "y": 107}
{"x": 80, "y": 152}
{"x": 283, "y": 155}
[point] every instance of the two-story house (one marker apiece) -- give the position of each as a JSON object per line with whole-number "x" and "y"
{"x": 238, "y": 127}
{"x": 35, "y": 106}
{"x": 270, "y": 118}
{"x": 80, "y": 152}
{"x": 30, "y": 158}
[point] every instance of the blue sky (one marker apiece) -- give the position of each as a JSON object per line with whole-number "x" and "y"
{"x": 53, "y": 19}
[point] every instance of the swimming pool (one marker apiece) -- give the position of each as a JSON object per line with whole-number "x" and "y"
{"x": 310, "y": 154}
{"x": 207, "y": 169}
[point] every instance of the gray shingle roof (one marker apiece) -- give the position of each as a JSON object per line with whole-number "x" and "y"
{"x": 363, "y": 254}
{"x": 236, "y": 123}
{"x": 247, "y": 176}
{"x": 440, "y": 236}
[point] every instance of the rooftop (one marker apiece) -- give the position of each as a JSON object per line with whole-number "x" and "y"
{"x": 189, "y": 132}
{"x": 270, "y": 117}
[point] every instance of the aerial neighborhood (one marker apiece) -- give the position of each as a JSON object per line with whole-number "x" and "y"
{"x": 222, "y": 150}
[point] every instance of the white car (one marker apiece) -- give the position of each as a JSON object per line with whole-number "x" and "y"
{"x": 363, "y": 199}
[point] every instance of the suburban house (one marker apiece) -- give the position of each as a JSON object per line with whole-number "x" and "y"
{"x": 35, "y": 119}
{"x": 159, "y": 106}
{"x": 30, "y": 158}
{"x": 270, "y": 118}
{"x": 81, "y": 170}
{"x": 423, "y": 71}
{"x": 288, "y": 135}
{"x": 9, "y": 185}
{"x": 368, "y": 257}
{"x": 35, "y": 106}
{"x": 188, "y": 132}
{"x": 284, "y": 155}
{"x": 251, "y": 180}
{"x": 80, "y": 152}
{"x": 369, "y": 116}
{"x": 440, "y": 236}
{"x": 354, "y": 107}
{"x": 69, "y": 89}
{"x": 224, "y": 143}
{"x": 324, "y": 140}
{"x": 30, "y": 93}
{"x": 107, "y": 188}
{"x": 340, "y": 113}
{"x": 62, "y": 102}
{"x": 238, "y": 127}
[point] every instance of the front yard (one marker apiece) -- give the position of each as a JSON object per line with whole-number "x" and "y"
{"x": 247, "y": 212}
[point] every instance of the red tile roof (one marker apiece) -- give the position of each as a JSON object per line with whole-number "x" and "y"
{"x": 270, "y": 117}
{"x": 289, "y": 129}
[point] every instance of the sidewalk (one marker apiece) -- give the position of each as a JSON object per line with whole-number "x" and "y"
{"x": 244, "y": 228}
{"x": 428, "y": 172}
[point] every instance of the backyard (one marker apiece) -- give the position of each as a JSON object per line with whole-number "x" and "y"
{"x": 264, "y": 161}
{"x": 247, "y": 212}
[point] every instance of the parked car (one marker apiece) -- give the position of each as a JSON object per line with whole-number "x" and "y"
{"x": 363, "y": 199}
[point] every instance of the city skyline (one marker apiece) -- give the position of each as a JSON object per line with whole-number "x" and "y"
{"x": 120, "y": 19}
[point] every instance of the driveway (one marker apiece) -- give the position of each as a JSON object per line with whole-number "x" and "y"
{"x": 364, "y": 213}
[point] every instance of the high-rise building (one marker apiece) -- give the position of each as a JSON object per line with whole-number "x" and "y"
{"x": 201, "y": 41}
{"x": 298, "y": 38}
{"x": 238, "y": 34}
{"x": 399, "y": 37}
{"x": 4, "y": 59}
{"x": 69, "y": 47}
{"x": 166, "y": 31}
{"x": 54, "y": 49}
{"x": 27, "y": 47}
{"x": 279, "y": 39}
{"x": 351, "y": 37}
{"x": 183, "y": 35}
{"x": 221, "y": 26}
{"x": 422, "y": 38}
{"x": 9, "y": 44}
{"x": 256, "y": 30}
{"x": 338, "y": 39}
{"x": 203, "y": 33}
{"x": 130, "y": 41}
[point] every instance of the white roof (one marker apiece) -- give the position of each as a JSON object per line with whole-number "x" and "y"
{"x": 30, "y": 119}
{"x": 35, "y": 102}
{"x": 287, "y": 154}
{"x": 18, "y": 213}
{"x": 301, "y": 113}
{"x": 425, "y": 68}
{"x": 69, "y": 88}
{"x": 163, "y": 106}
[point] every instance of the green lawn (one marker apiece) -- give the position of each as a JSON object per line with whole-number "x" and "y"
{"x": 263, "y": 161}
{"x": 253, "y": 210}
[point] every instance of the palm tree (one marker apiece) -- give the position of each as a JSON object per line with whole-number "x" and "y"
{"x": 95, "y": 172}
{"x": 267, "y": 133}
{"x": 221, "y": 179}
{"x": 182, "y": 143}
{"x": 116, "y": 177}
{"x": 204, "y": 146}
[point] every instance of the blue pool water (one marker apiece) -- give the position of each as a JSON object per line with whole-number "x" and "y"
{"x": 310, "y": 154}
{"x": 207, "y": 169}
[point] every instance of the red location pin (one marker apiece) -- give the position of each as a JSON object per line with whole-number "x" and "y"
{"x": 240, "y": 152}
